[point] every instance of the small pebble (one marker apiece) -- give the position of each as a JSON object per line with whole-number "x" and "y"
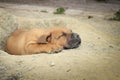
{"x": 98, "y": 37}
{"x": 89, "y": 17}
{"x": 68, "y": 70}
{"x": 84, "y": 79}
{"x": 111, "y": 46}
{"x": 52, "y": 64}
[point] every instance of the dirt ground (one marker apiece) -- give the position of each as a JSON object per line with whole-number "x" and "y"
{"x": 97, "y": 58}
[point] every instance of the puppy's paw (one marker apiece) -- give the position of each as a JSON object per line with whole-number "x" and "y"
{"x": 56, "y": 49}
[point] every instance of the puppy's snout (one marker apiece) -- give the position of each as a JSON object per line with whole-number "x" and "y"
{"x": 75, "y": 36}
{"x": 74, "y": 42}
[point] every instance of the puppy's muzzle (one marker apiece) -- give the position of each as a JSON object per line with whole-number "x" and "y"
{"x": 74, "y": 41}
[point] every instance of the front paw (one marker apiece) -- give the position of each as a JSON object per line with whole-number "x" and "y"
{"x": 56, "y": 49}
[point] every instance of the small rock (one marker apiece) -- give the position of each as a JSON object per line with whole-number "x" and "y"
{"x": 68, "y": 70}
{"x": 84, "y": 79}
{"x": 111, "y": 46}
{"x": 98, "y": 37}
{"x": 52, "y": 64}
{"x": 89, "y": 17}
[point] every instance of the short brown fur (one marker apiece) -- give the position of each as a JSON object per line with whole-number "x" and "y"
{"x": 33, "y": 41}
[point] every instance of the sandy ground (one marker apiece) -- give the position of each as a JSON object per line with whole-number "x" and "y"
{"x": 98, "y": 57}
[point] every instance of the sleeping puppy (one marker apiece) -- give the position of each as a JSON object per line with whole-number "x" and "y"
{"x": 33, "y": 41}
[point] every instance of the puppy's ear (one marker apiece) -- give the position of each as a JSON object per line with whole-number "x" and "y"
{"x": 44, "y": 39}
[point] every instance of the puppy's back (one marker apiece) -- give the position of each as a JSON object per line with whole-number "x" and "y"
{"x": 15, "y": 42}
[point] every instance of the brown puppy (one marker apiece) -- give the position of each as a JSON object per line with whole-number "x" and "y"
{"x": 33, "y": 41}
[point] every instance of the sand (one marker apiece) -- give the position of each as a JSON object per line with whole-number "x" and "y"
{"x": 97, "y": 58}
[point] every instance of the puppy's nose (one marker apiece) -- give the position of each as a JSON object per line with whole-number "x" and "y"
{"x": 77, "y": 38}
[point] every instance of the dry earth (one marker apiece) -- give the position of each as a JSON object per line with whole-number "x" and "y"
{"x": 98, "y": 57}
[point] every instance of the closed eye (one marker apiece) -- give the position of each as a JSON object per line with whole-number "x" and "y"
{"x": 63, "y": 34}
